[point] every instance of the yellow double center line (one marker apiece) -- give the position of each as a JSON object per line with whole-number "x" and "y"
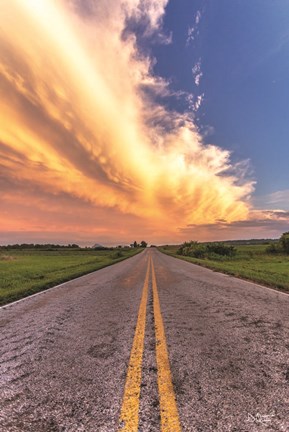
{"x": 129, "y": 416}
{"x": 130, "y": 405}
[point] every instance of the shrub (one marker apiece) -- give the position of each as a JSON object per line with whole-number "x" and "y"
{"x": 217, "y": 257}
{"x": 221, "y": 249}
{"x": 210, "y": 250}
{"x": 117, "y": 254}
{"x": 284, "y": 242}
{"x": 198, "y": 252}
{"x": 272, "y": 249}
{"x": 186, "y": 248}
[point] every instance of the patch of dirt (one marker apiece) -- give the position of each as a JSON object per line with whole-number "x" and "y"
{"x": 101, "y": 351}
{"x": 7, "y": 258}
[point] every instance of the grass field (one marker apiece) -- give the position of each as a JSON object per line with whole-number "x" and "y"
{"x": 25, "y": 272}
{"x": 251, "y": 262}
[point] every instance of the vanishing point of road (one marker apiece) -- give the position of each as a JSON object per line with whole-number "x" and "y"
{"x": 149, "y": 344}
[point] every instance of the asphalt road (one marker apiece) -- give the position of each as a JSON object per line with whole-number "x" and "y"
{"x": 151, "y": 344}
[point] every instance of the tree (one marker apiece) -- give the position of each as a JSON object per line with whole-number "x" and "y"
{"x": 135, "y": 245}
{"x": 284, "y": 241}
{"x": 143, "y": 244}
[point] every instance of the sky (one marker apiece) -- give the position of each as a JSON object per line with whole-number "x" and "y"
{"x": 156, "y": 120}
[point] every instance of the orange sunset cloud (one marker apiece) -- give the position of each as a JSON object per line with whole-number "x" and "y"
{"x": 86, "y": 152}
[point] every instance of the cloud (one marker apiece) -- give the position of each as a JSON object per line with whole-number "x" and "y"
{"x": 81, "y": 130}
{"x": 198, "y": 78}
{"x": 198, "y": 102}
{"x": 195, "y": 102}
{"x": 190, "y": 36}
{"x": 260, "y": 224}
{"x": 198, "y": 17}
{"x": 278, "y": 199}
{"x": 194, "y": 28}
{"x": 207, "y": 130}
{"x": 197, "y": 73}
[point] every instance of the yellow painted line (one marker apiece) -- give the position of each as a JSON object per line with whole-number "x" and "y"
{"x": 129, "y": 415}
{"x": 169, "y": 412}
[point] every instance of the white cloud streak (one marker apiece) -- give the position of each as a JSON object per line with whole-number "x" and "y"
{"x": 193, "y": 30}
{"x": 197, "y": 72}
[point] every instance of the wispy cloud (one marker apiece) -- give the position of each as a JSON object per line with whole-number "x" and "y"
{"x": 191, "y": 35}
{"x": 198, "y": 102}
{"x": 197, "y": 73}
{"x": 195, "y": 102}
{"x": 278, "y": 199}
{"x": 193, "y": 30}
{"x": 198, "y": 78}
{"x": 83, "y": 147}
{"x": 259, "y": 224}
{"x": 198, "y": 17}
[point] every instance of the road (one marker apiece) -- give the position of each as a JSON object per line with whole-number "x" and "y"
{"x": 150, "y": 344}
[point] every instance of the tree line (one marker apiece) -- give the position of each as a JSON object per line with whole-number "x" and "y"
{"x": 40, "y": 246}
{"x": 142, "y": 244}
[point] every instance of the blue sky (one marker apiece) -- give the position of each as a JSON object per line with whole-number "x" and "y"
{"x": 242, "y": 49}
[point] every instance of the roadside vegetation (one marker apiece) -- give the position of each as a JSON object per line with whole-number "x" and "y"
{"x": 27, "y": 269}
{"x": 263, "y": 261}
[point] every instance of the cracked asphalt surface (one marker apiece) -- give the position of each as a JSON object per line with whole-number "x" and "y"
{"x": 64, "y": 353}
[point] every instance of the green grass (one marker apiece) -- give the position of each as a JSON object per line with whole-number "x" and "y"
{"x": 25, "y": 272}
{"x": 251, "y": 262}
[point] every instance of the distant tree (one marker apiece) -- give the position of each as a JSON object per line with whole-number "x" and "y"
{"x": 73, "y": 246}
{"x": 143, "y": 244}
{"x": 284, "y": 242}
{"x": 135, "y": 245}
